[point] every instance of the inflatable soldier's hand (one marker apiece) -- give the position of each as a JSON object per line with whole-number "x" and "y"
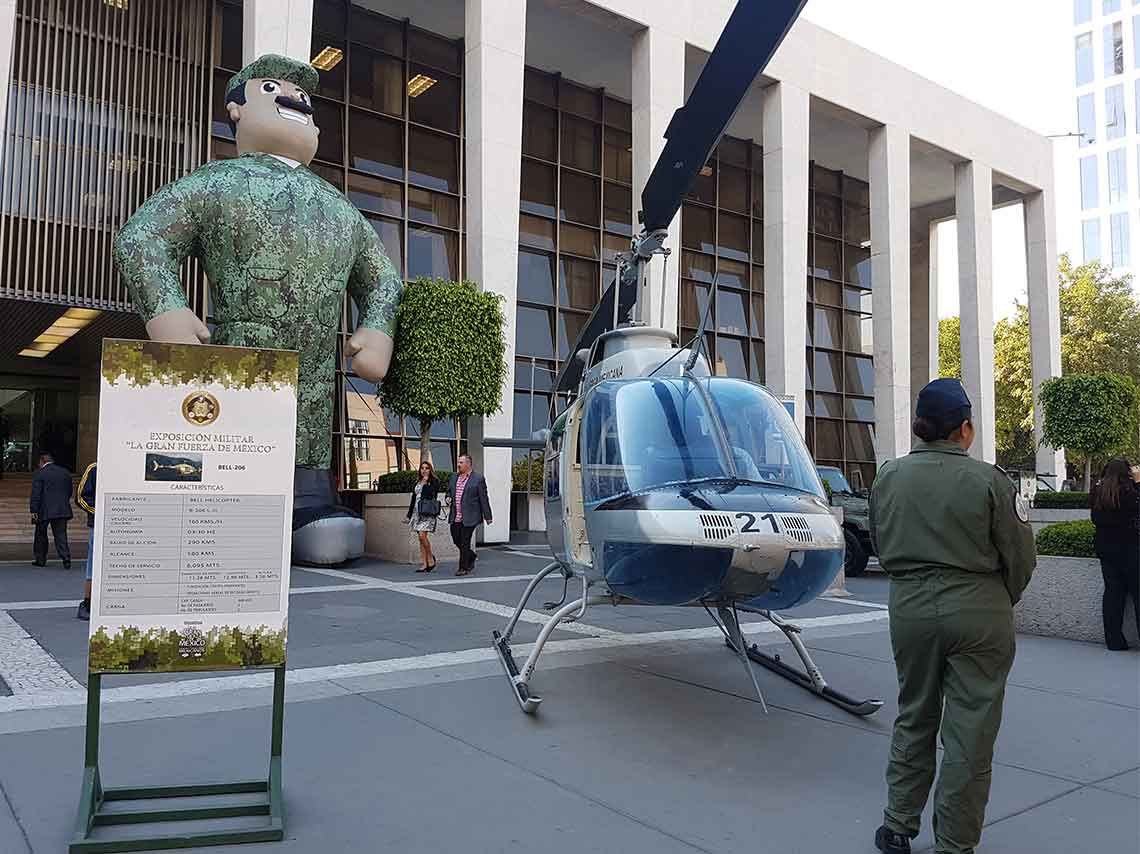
{"x": 371, "y": 352}
{"x": 178, "y": 326}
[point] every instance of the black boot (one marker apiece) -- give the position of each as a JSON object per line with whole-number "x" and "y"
{"x": 889, "y": 842}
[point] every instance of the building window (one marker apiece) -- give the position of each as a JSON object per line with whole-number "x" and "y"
{"x": 1082, "y": 12}
{"x": 1090, "y": 240}
{"x": 1113, "y": 49}
{"x": 1117, "y": 176}
{"x": 1116, "y": 124}
{"x": 1089, "y": 197}
{"x": 1118, "y": 226}
{"x": 1086, "y": 117}
{"x": 840, "y": 412}
{"x": 1136, "y": 41}
{"x": 1084, "y": 58}
{"x": 1107, "y": 7}
{"x": 722, "y": 234}
{"x": 395, "y": 150}
{"x": 576, "y": 214}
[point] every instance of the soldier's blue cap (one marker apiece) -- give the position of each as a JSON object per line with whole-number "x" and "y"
{"x": 940, "y": 398}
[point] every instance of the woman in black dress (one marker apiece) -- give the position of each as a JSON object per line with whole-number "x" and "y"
{"x": 423, "y": 512}
{"x": 1116, "y": 513}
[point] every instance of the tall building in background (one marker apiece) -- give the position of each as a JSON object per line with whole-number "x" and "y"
{"x": 507, "y": 142}
{"x": 1106, "y": 74}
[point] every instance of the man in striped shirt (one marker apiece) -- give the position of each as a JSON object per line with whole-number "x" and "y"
{"x": 470, "y": 506}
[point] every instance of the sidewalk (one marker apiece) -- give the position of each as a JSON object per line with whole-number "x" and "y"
{"x": 402, "y": 734}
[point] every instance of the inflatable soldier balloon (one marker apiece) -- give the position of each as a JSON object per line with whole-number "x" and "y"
{"x": 281, "y": 247}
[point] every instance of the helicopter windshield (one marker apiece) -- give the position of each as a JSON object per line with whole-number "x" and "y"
{"x": 765, "y": 443}
{"x": 643, "y": 433}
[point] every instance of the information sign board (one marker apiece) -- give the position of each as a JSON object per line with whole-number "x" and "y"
{"x": 193, "y": 513}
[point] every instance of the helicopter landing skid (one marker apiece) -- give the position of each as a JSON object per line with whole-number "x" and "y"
{"x": 527, "y": 701}
{"x": 812, "y": 679}
{"x": 520, "y": 679}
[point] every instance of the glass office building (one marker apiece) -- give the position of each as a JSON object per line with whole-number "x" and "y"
{"x": 774, "y": 240}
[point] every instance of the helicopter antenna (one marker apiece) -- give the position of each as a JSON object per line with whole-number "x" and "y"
{"x": 700, "y": 336}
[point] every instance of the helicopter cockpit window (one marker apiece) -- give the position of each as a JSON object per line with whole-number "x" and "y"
{"x": 766, "y": 446}
{"x": 639, "y": 434}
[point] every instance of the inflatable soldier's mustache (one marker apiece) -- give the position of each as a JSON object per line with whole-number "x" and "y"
{"x": 293, "y": 104}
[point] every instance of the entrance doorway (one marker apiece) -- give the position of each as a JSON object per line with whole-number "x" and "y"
{"x": 33, "y": 421}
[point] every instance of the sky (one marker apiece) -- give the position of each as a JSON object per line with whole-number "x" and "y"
{"x": 1008, "y": 55}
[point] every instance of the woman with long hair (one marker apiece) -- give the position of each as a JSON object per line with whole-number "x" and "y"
{"x": 423, "y": 511}
{"x": 1116, "y": 513}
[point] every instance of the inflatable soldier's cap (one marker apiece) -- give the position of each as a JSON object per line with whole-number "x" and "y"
{"x": 941, "y": 399}
{"x": 277, "y": 67}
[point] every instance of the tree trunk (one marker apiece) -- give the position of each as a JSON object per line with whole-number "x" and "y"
{"x": 1088, "y": 474}
{"x": 425, "y": 441}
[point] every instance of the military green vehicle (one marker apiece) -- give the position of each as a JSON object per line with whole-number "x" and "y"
{"x": 856, "y": 519}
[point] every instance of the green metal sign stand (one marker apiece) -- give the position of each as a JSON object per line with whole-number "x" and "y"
{"x": 94, "y": 797}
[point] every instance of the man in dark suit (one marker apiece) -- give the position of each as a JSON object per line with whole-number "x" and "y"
{"x": 51, "y": 505}
{"x": 470, "y": 506}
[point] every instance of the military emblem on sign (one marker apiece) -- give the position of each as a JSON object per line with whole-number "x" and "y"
{"x": 1021, "y": 506}
{"x": 191, "y": 643}
{"x": 201, "y": 408}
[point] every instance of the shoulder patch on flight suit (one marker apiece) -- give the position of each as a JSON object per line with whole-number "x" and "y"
{"x": 1021, "y": 507}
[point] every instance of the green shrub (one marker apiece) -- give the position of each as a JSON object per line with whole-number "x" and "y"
{"x": 1061, "y": 501}
{"x": 1067, "y": 539}
{"x": 405, "y": 481}
{"x": 519, "y": 475}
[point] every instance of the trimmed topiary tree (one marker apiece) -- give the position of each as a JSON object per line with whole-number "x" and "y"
{"x": 1089, "y": 415}
{"x": 449, "y": 353}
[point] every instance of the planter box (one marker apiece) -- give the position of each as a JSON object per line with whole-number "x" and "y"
{"x": 839, "y": 585}
{"x": 528, "y": 513}
{"x": 388, "y": 537}
{"x": 1040, "y": 518}
{"x": 1063, "y": 600}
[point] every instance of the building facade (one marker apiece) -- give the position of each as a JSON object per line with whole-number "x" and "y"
{"x": 506, "y": 142}
{"x": 1105, "y": 156}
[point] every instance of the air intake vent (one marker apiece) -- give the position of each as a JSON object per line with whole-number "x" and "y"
{"x": 796, "y": 527}
{"x": 717, "y": 526}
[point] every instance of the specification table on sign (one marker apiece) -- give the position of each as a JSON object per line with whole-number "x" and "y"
{"x": 191, "y": 554}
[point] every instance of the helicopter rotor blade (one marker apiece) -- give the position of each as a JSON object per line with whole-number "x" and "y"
{"x": 600, "y": 321}
{"x": 753, "y": 33}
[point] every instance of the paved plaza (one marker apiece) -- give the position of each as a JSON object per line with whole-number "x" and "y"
{"x": 401, "y": 733}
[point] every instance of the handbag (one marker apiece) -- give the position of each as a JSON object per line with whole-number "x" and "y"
{"x": 428, "y": 507}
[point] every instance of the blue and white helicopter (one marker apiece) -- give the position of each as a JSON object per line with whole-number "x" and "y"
{"x": 665, "y": 485}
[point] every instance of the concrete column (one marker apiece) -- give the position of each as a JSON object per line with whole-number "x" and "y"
{"x": 923, "y": 302}
{"x": 974, "y": 207}
{"x": 493, "y": 94}
{"x": 890, "y": 295}
{"x": 786, "y": 123}
{"x": 1044, "y": 317}
{"x": 658, "y": 91}
{"x": 277, "y": 26}
{"x": 7, "y": 45}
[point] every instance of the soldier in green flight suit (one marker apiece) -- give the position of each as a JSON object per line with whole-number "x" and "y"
{"x": 280, "y": 247}
{"x": 953, "y": 535}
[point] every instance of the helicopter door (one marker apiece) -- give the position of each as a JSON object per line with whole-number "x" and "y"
{"x": 552, "y": 483}
{"x": 576, "y": 543}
